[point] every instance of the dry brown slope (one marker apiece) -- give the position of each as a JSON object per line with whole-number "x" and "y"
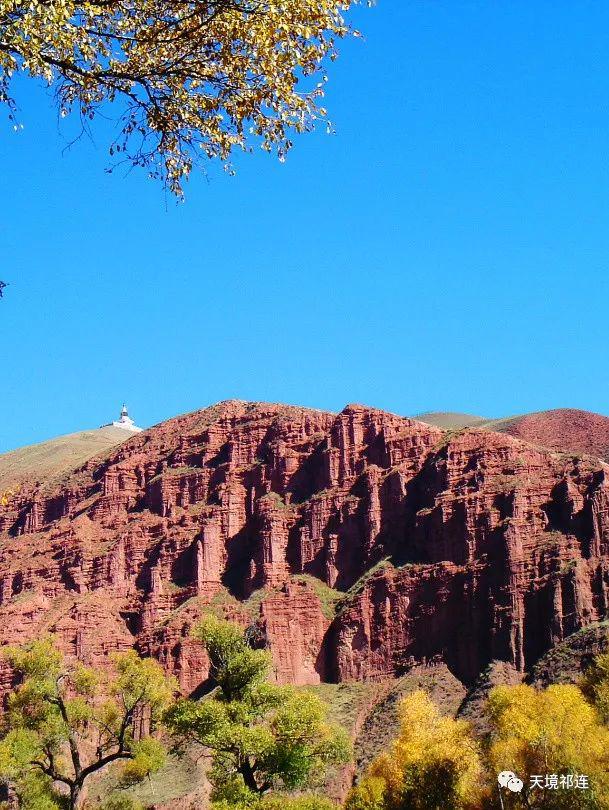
{"x": 56, "y": 456}
{"x": 449, "y": 420}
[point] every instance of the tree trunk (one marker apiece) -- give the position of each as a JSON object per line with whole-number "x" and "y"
{"x": 247, "y": 773}
{"x": 75, "y": 797}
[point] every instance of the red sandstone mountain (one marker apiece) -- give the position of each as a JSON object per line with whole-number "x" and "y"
{"x": 566, "y": 429}
{"x": 461, "y": 548}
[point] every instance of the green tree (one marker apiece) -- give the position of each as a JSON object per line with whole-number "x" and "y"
{"x": 434, "y": 764}
{"x": 63, "y": 723}
{"x": 549, "y": 731}
{"x": 189, "y": 79}
{"x": 260, "y": 736}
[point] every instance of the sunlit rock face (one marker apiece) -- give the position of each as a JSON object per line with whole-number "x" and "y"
{"x": 460, "y": 547}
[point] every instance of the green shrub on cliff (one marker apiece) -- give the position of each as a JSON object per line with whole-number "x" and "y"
{"x": 121, "y": 803}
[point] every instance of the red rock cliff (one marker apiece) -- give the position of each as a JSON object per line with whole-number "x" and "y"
{"x": 497, "y": 549}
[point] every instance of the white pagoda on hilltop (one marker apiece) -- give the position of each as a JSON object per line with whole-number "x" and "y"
{"x": 125, "y": 422}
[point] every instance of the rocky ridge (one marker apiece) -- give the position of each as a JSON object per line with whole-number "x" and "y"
{"x": 359, "y": 545}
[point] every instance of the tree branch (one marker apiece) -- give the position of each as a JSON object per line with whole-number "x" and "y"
{"x": 72, "y": 742}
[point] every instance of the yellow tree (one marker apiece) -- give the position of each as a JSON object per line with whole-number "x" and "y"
{"x": 550, "y": 732}
{"x": 192, "y": 78}
{"x": 434, "y": 764}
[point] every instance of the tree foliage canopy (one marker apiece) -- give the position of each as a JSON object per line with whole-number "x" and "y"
{"x": 261, "y": 736}
{"x": 193, "y": 78}
{"x": 276, "y": 801}
{"x": 434, "y": 764}
{"x": 551, "y": 731}
{"x": 64, "y": 723}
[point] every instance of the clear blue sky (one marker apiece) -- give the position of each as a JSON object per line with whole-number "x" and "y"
{"x": 447, "y": 249}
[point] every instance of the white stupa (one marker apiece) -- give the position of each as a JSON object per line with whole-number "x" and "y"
{"x": 125, "y": 422}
